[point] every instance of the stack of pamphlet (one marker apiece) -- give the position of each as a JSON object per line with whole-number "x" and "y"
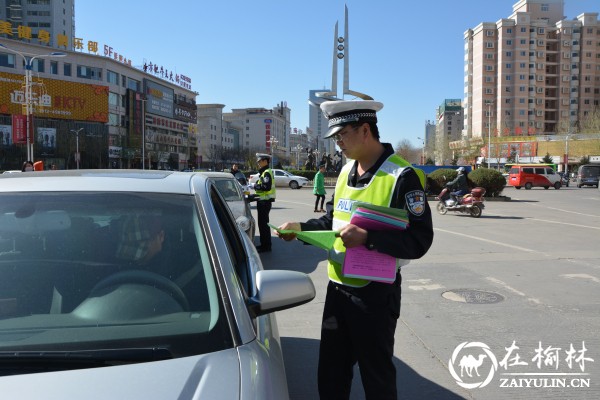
{"x": 362, "y": 263}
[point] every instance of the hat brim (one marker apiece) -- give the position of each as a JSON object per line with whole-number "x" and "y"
{"x": 333, "y": 130}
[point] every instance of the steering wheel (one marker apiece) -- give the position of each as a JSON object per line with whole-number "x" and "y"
{"x": 148, "y": 278}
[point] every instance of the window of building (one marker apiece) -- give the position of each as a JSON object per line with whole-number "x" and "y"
{"x": 523, "y": 41}
{"x": 508, "y": 30}
{"x": 545, "y": 7}
{"x": 113, "y": 119}
{"x": 489, "y": 45}
{"x": 509, "y": 42}
{"x": 113, "y": 99}
{"x": 522, "y": 77}
{"x": 507, "y": 77}
{"x": 489, "y": 56}
{"x": 37, "y": 65}
{"x": 540, "y": 43}
{"x": 66, "y": 69}
{"x": 509, "y": 54}
{"x": 54, "y": 67}
{"x": 508, "y": 65}
{"x": 521, "y": 100}
{"x": 507, "y": 89}
{"x": 112, "y": 77}
{"x": 522, "y": 89}
{"x": 523, "y": 29}
{"x": 92, "y": 73}
{"x": 134, "y": 85}
{"x": 541, "y": 30}
{"x": 489, "y": 33}
{"x": 7, "y": 60}
{"x": 522, "y": 53}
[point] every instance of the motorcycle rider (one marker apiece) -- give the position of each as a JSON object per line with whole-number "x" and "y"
{"x": 459, "y": 184}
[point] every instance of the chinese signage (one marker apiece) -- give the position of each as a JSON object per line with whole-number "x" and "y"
{"x": 159, "y": 99}
{"x": 53, "y": 98}
{"x": 43, "y": 37}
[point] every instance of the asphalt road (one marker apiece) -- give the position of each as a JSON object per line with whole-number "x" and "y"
{"x": 513, "y": 296}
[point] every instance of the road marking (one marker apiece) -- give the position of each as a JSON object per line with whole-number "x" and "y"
{"x": 563, "y": 223}
{"x": 511, "y": 289}
{"x": 581, "y": 276}
{"x": 490, "y": 241}
{"x": 562, "y": 210}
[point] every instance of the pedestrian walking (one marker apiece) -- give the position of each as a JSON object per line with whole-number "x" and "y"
{"x": 319, "y": 188}
{"x": 360, "y": 316}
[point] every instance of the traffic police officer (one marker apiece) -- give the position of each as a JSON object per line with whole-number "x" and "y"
{"x": 360, "y": 316}
{"x": 265, "y": 192}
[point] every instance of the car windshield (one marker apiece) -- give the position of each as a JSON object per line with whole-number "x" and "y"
{"x": 85, "y": 271}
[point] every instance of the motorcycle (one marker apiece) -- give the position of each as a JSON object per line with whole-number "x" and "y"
{"x": 471, "y": 203}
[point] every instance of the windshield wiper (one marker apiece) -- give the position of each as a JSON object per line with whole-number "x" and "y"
{"x": 52, "y": 360}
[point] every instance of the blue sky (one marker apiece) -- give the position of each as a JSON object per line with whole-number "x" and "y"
{"x": 258, "y": 53}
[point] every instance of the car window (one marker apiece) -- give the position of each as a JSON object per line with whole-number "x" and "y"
{"x": 549, "y": 171}
{"x": 279, "y": 173}
{"x": 229, "y": 189}
{"x": 514, "y": 171}
{"x": 528, "y": 170}
{"x": 539, "y": 171}
{"x": 87, "y": 270}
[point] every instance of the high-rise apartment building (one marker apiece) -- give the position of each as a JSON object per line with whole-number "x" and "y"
{"x": 42, "y": 22}
{"x": 533, "y": 73}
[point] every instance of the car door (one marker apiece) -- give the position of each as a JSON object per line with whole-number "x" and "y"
{"x": 281, "y": 178}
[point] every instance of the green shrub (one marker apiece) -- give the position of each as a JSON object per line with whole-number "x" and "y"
{"x": 490, "y": 179}
{"x": 437, "y": 180}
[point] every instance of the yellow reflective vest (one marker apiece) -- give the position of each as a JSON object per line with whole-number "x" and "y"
{"x": 379, "y": 192}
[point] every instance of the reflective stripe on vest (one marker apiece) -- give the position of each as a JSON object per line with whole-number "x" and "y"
{"x": 378, "y": 191}
{"x": 269, "y": 194}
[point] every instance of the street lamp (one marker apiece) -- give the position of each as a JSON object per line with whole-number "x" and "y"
{"x": 489, "y": 154}
{"x": 76, "y": 132}
{"x": 298, "y": 150}
{"x": 273, "y": 142}
{"x": 28, "y": 95}
{"x": 423, "y": 156}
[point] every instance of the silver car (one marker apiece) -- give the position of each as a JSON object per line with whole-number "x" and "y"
{"x": 122, "y": 284}
{"x": 284, "y": 178}
{"x": 237, "y": 197}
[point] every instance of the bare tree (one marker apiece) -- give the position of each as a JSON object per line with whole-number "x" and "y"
{"x": 407, "y": 151}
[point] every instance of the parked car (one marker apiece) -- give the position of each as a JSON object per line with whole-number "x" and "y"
{"x": 127, "y": 284}
{"x": 588, "y": 175}
{"x": 236, "y": 197}
{"x": 284, "y": 178}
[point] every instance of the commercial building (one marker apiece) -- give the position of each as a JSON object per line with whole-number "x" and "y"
{"x": 93, "y": 111}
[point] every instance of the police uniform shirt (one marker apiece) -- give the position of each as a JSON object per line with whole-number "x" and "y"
{"x": 411, "y": 243}
{"x": 265, "y": 180}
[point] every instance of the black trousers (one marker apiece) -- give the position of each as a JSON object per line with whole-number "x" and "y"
{"x": 322, "y": 198}
{"x": 263, "y": 208}
{"x": 358, "y": 326}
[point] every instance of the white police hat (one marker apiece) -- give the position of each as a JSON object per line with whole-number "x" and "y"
{"x": 340, "y": 112}
{"x": 262, "y": 156}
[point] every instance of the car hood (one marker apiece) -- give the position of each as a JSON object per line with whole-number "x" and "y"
{"x": 212, "y": 376}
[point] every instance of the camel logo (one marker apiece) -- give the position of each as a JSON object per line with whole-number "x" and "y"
{"x": 470, "y": 364}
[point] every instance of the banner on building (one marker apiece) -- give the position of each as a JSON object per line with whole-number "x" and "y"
{"x": 19, "y": 131}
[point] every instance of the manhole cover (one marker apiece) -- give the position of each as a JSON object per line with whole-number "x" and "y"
{"x": 472, "y": 296}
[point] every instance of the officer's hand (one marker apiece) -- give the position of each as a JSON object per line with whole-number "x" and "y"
{"x": 353, "y": 236}
{"x": 288, "y": 226}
